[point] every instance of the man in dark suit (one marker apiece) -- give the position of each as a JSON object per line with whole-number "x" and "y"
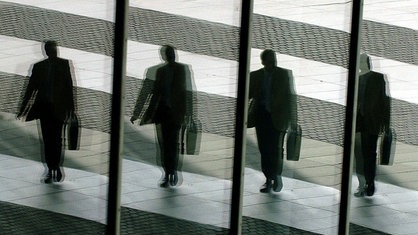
{"x": 274, "y": 97}
{"x": 51, "y": 87}
{"x": 373, "y": 118}
{"x": 171, "y": 101}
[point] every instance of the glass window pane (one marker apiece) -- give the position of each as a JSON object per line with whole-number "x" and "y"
{"x": 35, "y": 154}
{"x": 388, "y": 193}
{"x": 311, "y": 44}
{"x": 191, "y": 190}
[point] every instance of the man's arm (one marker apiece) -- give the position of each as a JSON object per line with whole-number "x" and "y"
{"x": 386, "y": 103}
{"x": 252, "y": 87}
{"x": 144, "y": 93}
{"x": 292, "y": 100}
{"x": 29, "y": 92}
{"x": 69, "y": 87}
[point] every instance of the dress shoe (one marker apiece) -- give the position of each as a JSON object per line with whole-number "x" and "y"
{"x": 360, "y": 192}
{"x": 266, "y": 187}
{"x": 173, "y": 179}
{"x": 48, "y": 178}
{"x": 278, "y": 184}
{"x": 370, "y": 189}
{"x": 58, "y": 175}
{"x": 164, "y": 184}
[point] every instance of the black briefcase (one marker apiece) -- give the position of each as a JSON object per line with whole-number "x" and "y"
{"x": 293, "y": 143}
{"x": 191, "y": 137}
{"x": 73, "y": 132}
{"x": 387, "y": 147}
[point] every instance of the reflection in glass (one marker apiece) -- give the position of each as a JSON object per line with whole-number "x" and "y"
{"x": 72, "y": 198}
{"x": 205, "y": 36}
{"x": 170, "y": 107}
{"x": 373, "y": 118}
{"x": 49, "y": 98}
{"x": 389, "y": 40}
{"x": 311, "y": 41}
{"x": 274, "y": 111}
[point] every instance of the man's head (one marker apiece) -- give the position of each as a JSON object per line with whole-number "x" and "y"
{"x": 168, "y": 53}
{"x": 51, "y": 49}
{"x": 268, "y": 58}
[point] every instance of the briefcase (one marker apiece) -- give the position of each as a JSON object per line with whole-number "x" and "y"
{"x": 293, "y": 143}
{"x": 387, "y": 147}
{"x": 191, "y": 137}
{"x": 73, "y": 132}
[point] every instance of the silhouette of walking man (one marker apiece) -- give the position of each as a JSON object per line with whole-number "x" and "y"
{"x": 170, "y": 103}
{"x": 274, "y": 97}
{"x": 51, "y": 87}
{"x": 373, "y": 118}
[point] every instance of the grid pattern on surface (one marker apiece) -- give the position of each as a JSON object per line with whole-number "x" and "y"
{"x": 37, "y": 221}
{"x": 208, "y": 38}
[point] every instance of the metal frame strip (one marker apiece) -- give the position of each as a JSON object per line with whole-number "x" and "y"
{"x": 118, "y": 95}
{"x": 350, "y": 114}
{"x": 241, "y": 117}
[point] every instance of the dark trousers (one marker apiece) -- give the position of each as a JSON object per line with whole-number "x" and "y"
{"x": 270, "y": 144}
{"x": 369, "y": 152}
{"x": 52, "y": 139}
{"x": 168, "y": 138}
{"x": 358, "y": 155}
{"x": 170, "y": 157}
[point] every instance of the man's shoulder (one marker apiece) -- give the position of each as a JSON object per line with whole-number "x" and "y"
{"x": 62, "y": 60}
{"x": 162, "y": 67}
{"x": 46, "y": 61}
{"x": 257, "y": 72}
{"x": 181, "y": 65}
{"x": 283, "y": 70}
{"x": 157, "y": 66}
{"x": 175, "y": 65}
{"x": 282, "y": 73}
{"x": 40, "y": 63}
{"x": 376, "y": 74}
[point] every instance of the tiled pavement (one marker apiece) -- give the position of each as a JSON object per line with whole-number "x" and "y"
{"x": 83, "y": 195}
{"x": 202, "y": 200}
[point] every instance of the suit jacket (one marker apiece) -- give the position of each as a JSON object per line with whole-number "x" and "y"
{"x": 170, "y": 93}
{"x": 145, "y": 93}
{"x": 373, "y": 114}
{"x": 149, "y": 94}
{"x": 283, "y": 97}
{"x": 51, "y": 86}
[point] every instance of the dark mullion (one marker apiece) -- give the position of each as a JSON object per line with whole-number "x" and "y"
{"x": 350, "y": 114}
{"x": 241, "y": 117}
{"x": 116, "y": 139}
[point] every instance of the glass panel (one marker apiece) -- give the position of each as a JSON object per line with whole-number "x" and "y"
{"x": 311, "y": 43}
{"x": 198, "y": 84}
{"x": 31, "y": 150}
{"x": 388, "y": 193}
